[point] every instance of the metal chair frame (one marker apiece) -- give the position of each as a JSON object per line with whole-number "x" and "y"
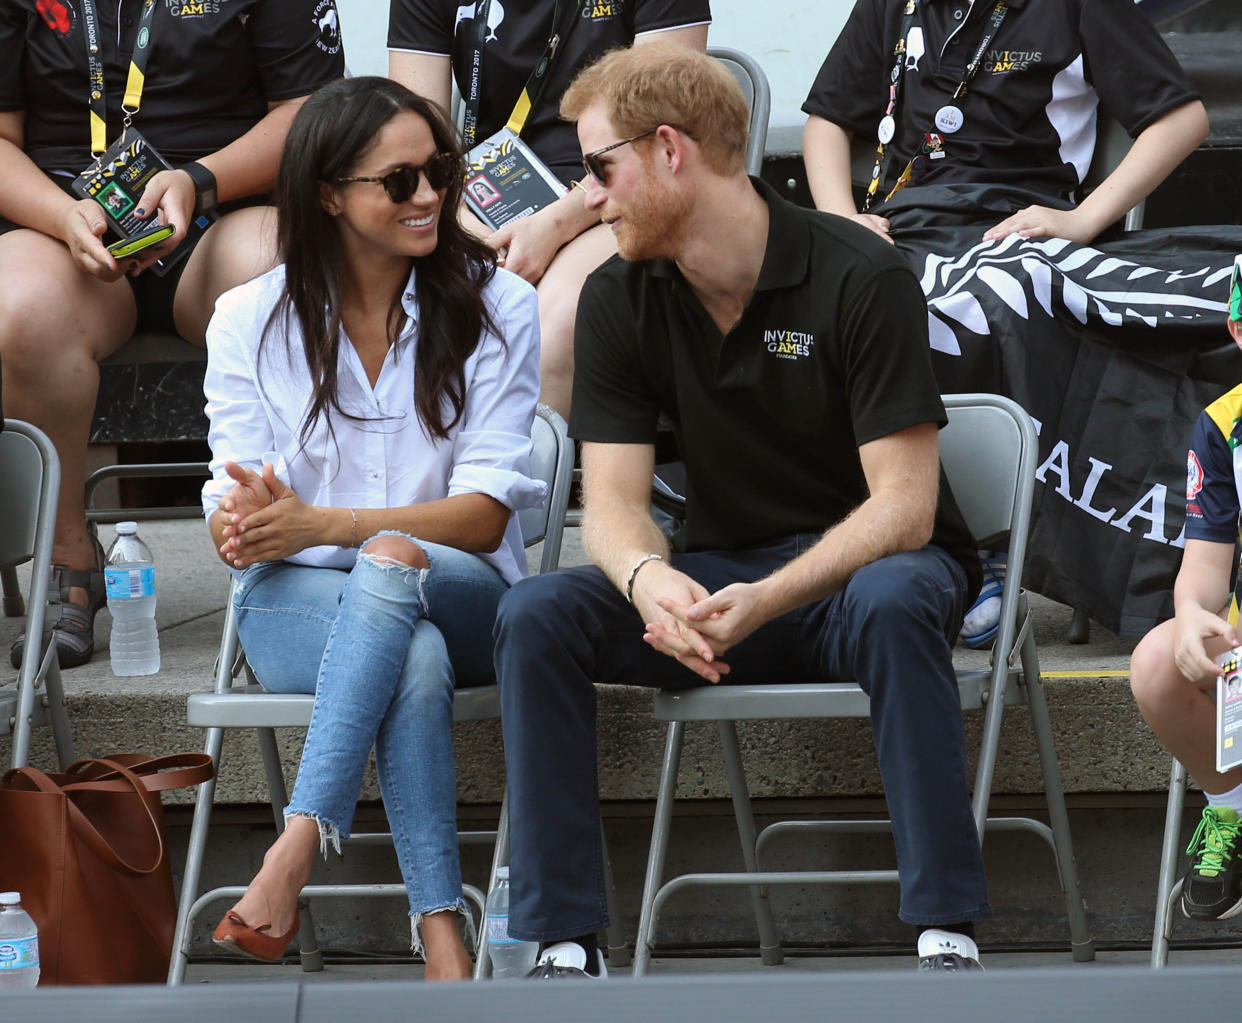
{"x": 988, "y": 451}
{"x": 29, "y": 489}
{"x": 250, "y": 706}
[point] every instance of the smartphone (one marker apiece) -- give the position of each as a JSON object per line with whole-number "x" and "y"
{"x": 144, "y": 239}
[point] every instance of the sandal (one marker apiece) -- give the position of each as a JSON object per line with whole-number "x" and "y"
{"x": 72, "y": 625}
{"x": 982, "y": 621}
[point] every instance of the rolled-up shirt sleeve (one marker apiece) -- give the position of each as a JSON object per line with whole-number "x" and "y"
{"x": 491, "y": 451}
{"x": 239, "y": 429}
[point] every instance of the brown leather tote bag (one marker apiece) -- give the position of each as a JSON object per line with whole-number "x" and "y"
{"x": 86, "y": 850}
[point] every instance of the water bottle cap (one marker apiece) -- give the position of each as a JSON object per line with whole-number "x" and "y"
{"x": 10, "y": 898}
{"x": 502, "y": 873}
{"x": 126, "y": 528}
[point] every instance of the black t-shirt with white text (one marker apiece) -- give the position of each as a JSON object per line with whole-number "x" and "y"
{"x": 516, "y": 38}
{"x": 830, "y": 353}
{"x": 1029, "y": 114}
{"x": 214, "y": 67}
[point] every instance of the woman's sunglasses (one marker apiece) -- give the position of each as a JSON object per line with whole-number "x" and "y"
{"x": 402, "y": 183}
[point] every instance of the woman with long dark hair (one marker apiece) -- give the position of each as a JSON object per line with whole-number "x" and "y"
{"x": 371, "y": 401}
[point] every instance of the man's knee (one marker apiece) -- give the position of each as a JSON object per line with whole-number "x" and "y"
{"x": 530, "y": 605}
{"x": 390, "y": 549}
{"x": 896, "y": 589}
{"x": 1153, "y": 671}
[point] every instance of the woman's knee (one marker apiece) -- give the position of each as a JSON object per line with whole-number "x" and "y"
{"x": 1153, "y": 671}
{"x": 391, "y": 549}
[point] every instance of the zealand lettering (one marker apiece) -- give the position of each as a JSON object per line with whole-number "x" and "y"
{"x": 1149, "y": 508}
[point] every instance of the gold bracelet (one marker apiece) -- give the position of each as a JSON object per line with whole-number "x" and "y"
{"x": 353, "y": 529}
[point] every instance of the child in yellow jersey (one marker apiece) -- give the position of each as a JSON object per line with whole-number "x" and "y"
{"x": 1173, "y": 672}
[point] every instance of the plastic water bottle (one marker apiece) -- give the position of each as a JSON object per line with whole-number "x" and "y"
{"x": 129, "y": 579}
{"x": 510, "y": 957}
{"x": 19, "y": 944}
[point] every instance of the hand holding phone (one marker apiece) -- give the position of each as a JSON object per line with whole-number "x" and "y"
{"x": 143, "y": 240}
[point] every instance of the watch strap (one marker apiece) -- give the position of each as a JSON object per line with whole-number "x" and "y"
{"x": 204, "y": 187}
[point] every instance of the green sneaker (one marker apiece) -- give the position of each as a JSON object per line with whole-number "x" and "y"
{"x": 1211, "y": 889}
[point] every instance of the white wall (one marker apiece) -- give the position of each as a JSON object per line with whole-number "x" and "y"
{"x": 789, "y": 38}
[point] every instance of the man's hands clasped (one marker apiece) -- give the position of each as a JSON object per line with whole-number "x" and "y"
{"x": 693, "y": 626}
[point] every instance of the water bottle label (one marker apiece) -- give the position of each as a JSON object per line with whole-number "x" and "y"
{"x": 17, "y": 954}
{"x": 498, "y": 931}
{"x": 121, "y": 583}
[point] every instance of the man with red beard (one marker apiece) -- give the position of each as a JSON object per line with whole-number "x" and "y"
{"x": 789, "y": 350}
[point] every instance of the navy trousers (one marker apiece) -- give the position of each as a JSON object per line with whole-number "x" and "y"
{"x": 890, "y": 630}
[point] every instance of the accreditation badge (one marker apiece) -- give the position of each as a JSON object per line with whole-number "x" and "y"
{"x": 505, "y": 180}
{"x": 117, "y": 182}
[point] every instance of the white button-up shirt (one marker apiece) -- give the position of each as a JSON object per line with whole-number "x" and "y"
{"x": 257, "y": 398}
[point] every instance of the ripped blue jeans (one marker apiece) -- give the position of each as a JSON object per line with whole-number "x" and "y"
{"x": 382, "y": 647}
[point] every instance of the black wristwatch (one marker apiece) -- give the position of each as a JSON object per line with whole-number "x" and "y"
{"x": 204, "y": 188}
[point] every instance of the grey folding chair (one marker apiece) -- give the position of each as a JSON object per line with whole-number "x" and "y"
{"x": 250, "y": 706}
{"x": 754, "y": 85}
{"x": 1169, "y": 885}
{"x": 988, "y": 451}
{"x": 29, "y": 488}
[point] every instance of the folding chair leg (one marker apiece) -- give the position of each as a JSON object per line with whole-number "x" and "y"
{"x": 1162, "y": 931}
{"x": 308, "y": 945}
{"x": 659, "y": 845}
{"x": 618, "y": 947}
{"x": 58, "y": 713}
{"x": 14, "y": 606}
{"x": 1067, "y": 867}
{"x": 769, "y": 941}
{"x": 195, "y": 851}
{"x": 500, "y": 856}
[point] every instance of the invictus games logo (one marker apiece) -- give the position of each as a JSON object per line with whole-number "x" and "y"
{"x": 329, "y": 26}
{"x": 192, "y": 8}
{"x": 603, "y": 10}
{"x": 788, "y": 344}
{"x": 1000, "y": 61}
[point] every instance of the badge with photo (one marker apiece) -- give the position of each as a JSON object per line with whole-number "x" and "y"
{"x": 505, "y": 180}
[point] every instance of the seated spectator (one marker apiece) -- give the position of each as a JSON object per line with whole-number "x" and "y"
{"x": 1173, "y": 670}
{"x": 431, "y": 41}
{"x": 218, "y": 91}
{"x": 982, "y": 119}
{"x": 817, "y": 546}
{"x": 394, "y": 371}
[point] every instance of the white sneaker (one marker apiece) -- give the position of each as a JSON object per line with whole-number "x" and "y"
{"x": 566, "y": 959}
{"x": 947, "y": 951}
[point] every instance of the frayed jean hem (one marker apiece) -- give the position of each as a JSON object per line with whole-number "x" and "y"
{"x": 329, "y": 833}
{"x": 469, "y": 933}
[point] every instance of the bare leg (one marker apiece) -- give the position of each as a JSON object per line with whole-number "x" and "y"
{"x": 446, "y": 955}
{"x": 558, "y": 307}
{"x": 237, "y": 248}
{"x": 272, "y": 896}
{"x": 1182, "y": 713}
{"x": 56, "y": 324}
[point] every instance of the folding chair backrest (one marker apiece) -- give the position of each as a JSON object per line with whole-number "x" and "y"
{"x": 26, "y": 469}
{"x": 982, "y": 452}
{"x": 551, "y": 460}
{"x": 758, "y": 95}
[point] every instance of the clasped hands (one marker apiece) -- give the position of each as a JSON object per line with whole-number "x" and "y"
{"x": 689, "y": 624}
{"x": 264, "y": 519}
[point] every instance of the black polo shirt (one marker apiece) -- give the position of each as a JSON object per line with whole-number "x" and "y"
{"x": 517, "y": 37}
{"x": 214, "y": 66}
{"x": 1030, "y": 112}
{"x": 830, "y": 352}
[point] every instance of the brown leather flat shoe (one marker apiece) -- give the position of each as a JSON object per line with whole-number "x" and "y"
{"x": 234, "y": 934}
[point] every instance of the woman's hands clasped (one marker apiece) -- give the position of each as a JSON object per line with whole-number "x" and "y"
{"x": 265, "y": 519}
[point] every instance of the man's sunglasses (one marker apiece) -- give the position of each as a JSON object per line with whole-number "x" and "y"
{"x": 402, "y": 183}
{"x": 599, "y": 171}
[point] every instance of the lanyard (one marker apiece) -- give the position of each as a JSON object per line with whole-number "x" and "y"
{"x": 534, "y": 84}
{"x": 133, "y": 85}
{"x": 888, "y": 125}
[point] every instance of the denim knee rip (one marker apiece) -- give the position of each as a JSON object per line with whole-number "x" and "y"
{"x": 469, "y": 933}
{"x": 386, "y": 563}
